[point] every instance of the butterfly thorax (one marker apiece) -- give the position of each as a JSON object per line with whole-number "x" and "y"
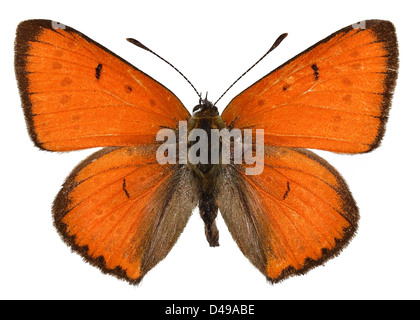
{"x": 206, "y": 117}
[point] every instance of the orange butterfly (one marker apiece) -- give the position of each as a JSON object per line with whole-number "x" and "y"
{"x": 123, "y": 211}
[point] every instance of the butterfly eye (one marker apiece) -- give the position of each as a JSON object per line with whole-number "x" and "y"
{"x": 197, "y": 108}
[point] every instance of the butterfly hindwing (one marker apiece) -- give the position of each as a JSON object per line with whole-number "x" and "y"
{"x": 294, "y": 216}
{"x": 334, "y": 96}
{"x": 123, "y": 211}
{"x": 77, "y": 94}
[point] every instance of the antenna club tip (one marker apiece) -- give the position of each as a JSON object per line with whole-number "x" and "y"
{"x": 137, "y": 43}
{"x": 281, "y": 38}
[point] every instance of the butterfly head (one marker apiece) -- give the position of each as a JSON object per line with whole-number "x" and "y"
{"x": 205, "y": 108}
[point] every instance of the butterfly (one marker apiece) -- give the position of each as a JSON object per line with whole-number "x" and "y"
{"x": 122, "y": 210}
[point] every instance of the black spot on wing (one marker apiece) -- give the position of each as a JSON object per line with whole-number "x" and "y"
{"x": 98, "y": 71}
{"x": 316, "y": 71}
{"x": 287, "y": 191}
{"x": 125, "y": 190}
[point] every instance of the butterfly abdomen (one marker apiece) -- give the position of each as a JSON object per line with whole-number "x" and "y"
{"x": 208, "y": 212}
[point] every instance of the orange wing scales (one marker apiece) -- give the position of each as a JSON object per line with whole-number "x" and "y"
{"x": 334, "y": 96}
{"x": 77, "y": 94}
{"x": 299, "y": 208}
{"x": 113, "y": 205}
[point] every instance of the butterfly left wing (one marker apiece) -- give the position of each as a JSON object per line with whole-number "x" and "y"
{"x": 123, "y": 211}
{"x": 334, "y": 96}
{"x": 76, "y": 94}
{"x": 295, "y": 215}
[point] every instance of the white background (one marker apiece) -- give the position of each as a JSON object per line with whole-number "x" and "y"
{"x": 213, "y": 42}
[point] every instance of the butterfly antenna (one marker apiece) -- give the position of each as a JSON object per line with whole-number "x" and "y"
{"x": 275, "y": 45}
{"x": 140, "y": 45}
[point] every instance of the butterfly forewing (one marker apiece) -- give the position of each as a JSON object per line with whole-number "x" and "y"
{"x": 77, "y": 94}
{"x": 334, "y": 96}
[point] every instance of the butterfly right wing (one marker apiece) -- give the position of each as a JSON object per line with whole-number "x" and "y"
{"x": 334, "y": 96}
{"x": 123, "y": 211}
{"x": 295, "y": 215}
